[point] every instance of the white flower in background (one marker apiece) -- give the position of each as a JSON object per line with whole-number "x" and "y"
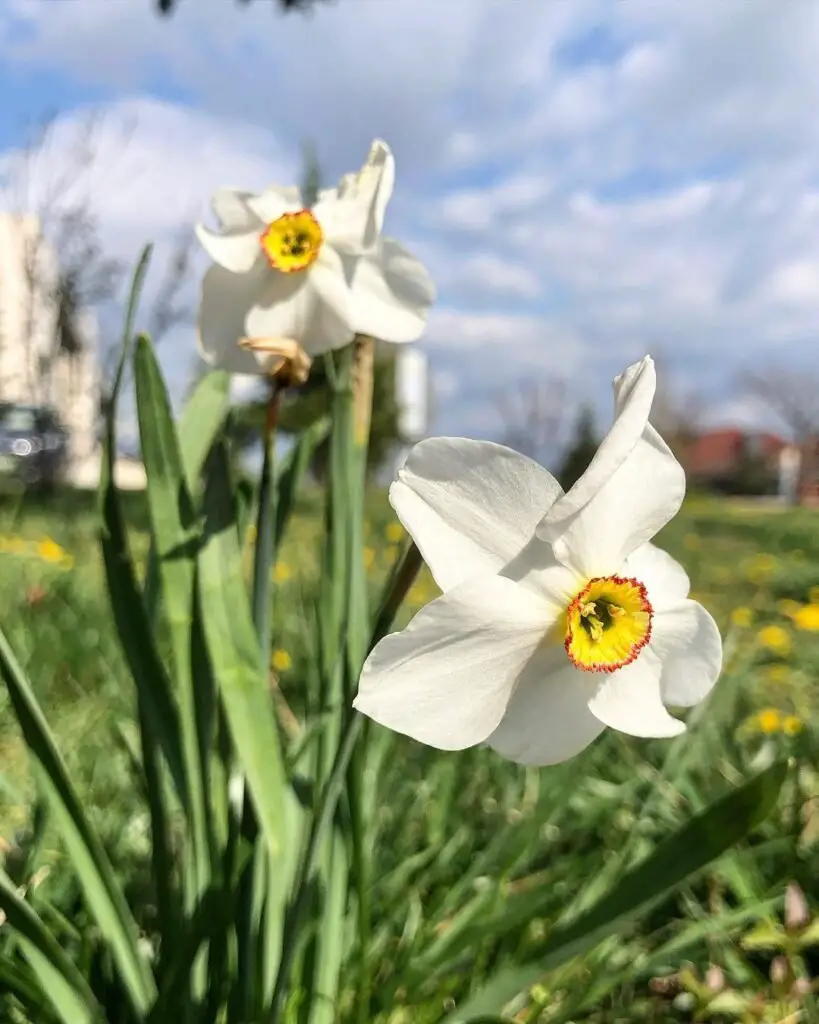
{"x": 558, "y": 616}
{"x": 315, "y": 276}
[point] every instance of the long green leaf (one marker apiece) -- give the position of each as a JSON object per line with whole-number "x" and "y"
{"x": 61, "y": 981}
{"x": 234, "y": 653}
{"x": 175, "y": 538}
{"x": 699, "y": 842}
{"x": 88, "y": 858}
{"x": 202, "y": 418}
{"x": 130, "y": 615}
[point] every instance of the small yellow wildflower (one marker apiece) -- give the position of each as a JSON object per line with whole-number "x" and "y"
{"x": 50, "y": 551}
{"x": 282, "y": 572}
{"x": 742, "y": 617}
{"x": 807, "y": 617}
{"x": 813, "y": 595}
{"x": 791, "y": 725}
{"x": 776, "y": 639}
{"x": 692, "y": 541}
{"x": 280, "y": 660}
{"x": 768, "y": 721}
{"x": 776, "y": 673}
{"x": 394, "y": 533}
{"x": 787, "y": 606}
{"x": 369, "y": 558}
{"x": 761, "y": 566}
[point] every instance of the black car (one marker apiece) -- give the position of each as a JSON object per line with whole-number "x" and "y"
{"x": 33, "y": 445}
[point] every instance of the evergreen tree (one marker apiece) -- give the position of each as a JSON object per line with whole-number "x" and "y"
{"x": 581, "y": 449}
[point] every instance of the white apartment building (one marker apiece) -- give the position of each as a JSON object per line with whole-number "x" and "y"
{"x": 32, "y": 368}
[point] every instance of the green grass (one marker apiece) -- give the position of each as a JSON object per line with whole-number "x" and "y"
{"x": 462, "y": 838}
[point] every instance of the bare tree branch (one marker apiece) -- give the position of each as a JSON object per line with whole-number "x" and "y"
{"x": 533, "y": 415}
{"x": 789, "y": 391}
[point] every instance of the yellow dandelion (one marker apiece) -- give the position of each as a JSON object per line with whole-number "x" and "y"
{"x": 761, "y": 565}
{"x": 50, "y": 551}
{"x": 788, "y": 607}
{"x": 813, "y": 595}
{"x": 394, "y": 533}
{"x": 369, "y": 558}
{"x": 692, "y": 541}
{"x": 776, "y": 639}
{"x": 768, "y": 721}
{"x": 776, "y": 673}
{"x": 280, "y": 660}
{"x": 791, "y": 725}
{"x": 807, "y": 617}
{"x": 282, "y": 572}
{"x": 742, "y": 617}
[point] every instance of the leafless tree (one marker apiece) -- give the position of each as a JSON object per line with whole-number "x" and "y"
{"x": 792, "y": 393}
{"x": 53, "y": 177}
{"x": 533, "y": 417}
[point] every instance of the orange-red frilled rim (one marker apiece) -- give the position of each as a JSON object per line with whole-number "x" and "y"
{"x": 607, "y": 624}
{"x": 292, "y": 242}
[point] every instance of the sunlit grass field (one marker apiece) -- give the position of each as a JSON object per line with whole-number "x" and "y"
{"x": 463, "y": 837}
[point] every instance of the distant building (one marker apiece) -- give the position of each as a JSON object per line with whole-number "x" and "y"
{"x": 412, "y": 396}
{"x": 733, "y": 460}
{"x": 34, "y": 368}
{"x": 753, "y": 462}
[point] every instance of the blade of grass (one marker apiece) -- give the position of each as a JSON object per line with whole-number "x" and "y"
{"x": 94, "y": 871}
{"x": 695, "y": 845}
{"x": 61, "y": 981}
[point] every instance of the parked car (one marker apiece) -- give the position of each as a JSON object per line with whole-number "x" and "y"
{"x": 33, "y": 445}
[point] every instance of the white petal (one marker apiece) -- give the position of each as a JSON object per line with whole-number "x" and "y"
{"x": 663, "y": 577}
{"x": 470, "y": 506}
{"x": 291, "y": 306}
{"x": 328, "y": 277}
{"x": 687, "y": 641}
{"x": 275, "y": 201}
{"x": 392, "y": 293}
{"x": 547, "y": 720}
{"x": 447, "y": 678}
{"x": 232, "y": 207}
{"x": 536, "y": 567}
{"x": 633, "y": 394}
{"x": 632, "y": 488}
{"x": 628, "y": 699}
{"x": 352, "y": 215}
{"x": 225, "y": 302}
{"x": 236, "y": 251}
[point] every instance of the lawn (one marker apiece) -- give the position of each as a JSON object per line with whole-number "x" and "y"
{"x": 475, "y": 857}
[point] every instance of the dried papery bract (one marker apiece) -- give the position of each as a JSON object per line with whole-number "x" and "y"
{"x": 288, "y": 364}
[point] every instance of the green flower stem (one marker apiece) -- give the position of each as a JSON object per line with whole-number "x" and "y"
{"x": 397, "y": 588}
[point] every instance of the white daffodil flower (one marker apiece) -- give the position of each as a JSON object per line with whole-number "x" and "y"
{"x": 558, "y": 616}
{"x": 315, "y": 276}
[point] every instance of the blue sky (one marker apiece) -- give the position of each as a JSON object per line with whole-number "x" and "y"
{"x": 586, "y": 181}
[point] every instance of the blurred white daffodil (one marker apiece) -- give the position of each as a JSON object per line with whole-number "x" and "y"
{"x": 558, "y": 617}
{"x": 285, "y": 273}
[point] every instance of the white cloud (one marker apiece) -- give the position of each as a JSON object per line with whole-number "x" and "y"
{"x": 577, "y": 207}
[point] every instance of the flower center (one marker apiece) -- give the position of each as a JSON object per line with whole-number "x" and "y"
{"x": 292, "y": 242}
{"x": 607, "y": 624}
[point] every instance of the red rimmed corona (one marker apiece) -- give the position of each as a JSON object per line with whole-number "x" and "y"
{"x": 607, "y": 624}
{"x": 292, "y": 242}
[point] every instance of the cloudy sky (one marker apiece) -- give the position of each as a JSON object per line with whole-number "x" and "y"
{"x": 587, "y": 181}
